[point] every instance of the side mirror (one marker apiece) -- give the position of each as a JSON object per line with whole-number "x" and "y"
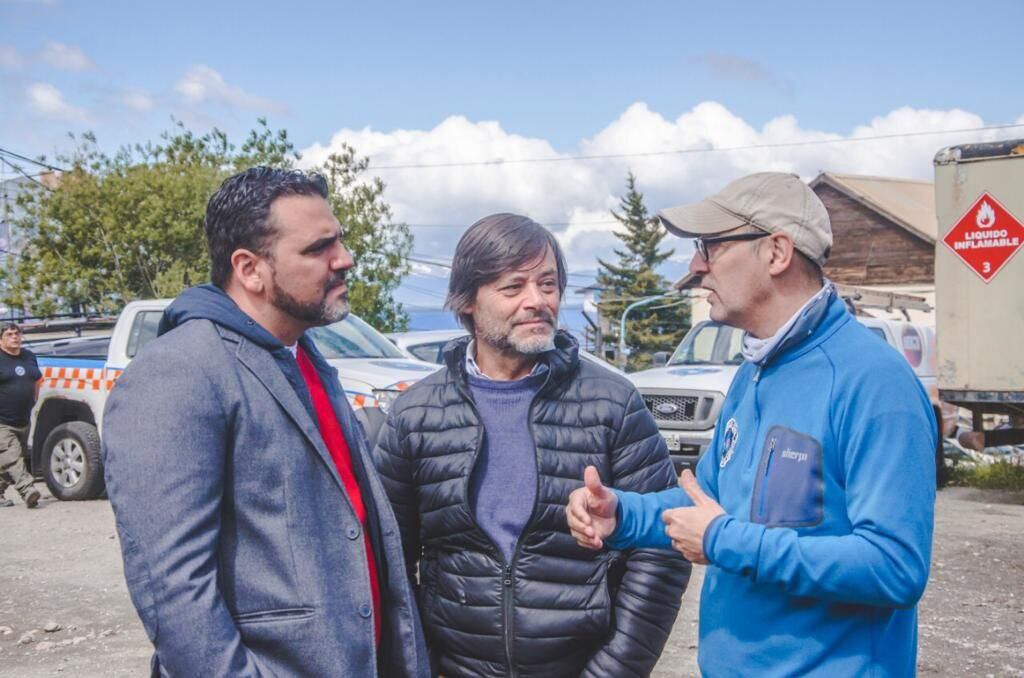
{"x": 659, "y": 359}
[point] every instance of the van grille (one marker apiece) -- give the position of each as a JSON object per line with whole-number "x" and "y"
{"x": 682, "y": 409}
{"x": 672, "y": 408}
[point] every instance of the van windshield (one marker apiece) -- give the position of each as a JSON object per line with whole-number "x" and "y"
{"x": 353, "y": 338}
{"x": 710, "y": 343}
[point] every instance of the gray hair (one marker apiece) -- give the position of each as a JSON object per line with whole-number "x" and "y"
{"x": 493, "y": 245}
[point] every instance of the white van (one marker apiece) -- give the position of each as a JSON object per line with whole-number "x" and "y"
{"x": 686, "y": 395}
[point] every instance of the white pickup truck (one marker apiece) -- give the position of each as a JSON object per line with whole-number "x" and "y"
{"x": 78, "y": 374}
{"x": 686, "y": 395}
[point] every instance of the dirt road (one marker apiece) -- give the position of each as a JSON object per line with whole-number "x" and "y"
{"x": 60, "y": 565}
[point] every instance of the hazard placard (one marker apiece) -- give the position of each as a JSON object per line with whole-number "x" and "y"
{"x": 986, "y": 237}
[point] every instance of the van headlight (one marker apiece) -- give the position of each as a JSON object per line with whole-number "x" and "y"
{"x": 385, "y": 397}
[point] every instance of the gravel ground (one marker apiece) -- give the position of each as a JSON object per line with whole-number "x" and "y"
{"x": 61, "y": 570}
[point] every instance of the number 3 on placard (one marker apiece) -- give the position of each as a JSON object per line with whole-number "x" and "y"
{"x": 987, "y": 267}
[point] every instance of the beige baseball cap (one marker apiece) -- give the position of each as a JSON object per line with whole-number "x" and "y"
{"x": 775, "y": 202}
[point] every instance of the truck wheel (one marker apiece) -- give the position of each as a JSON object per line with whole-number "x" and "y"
{"x": 72, "y": 464}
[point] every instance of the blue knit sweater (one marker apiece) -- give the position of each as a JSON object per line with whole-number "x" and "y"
{"x": 503, "y": 487}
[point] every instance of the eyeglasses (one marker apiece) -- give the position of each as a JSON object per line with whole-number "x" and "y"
{"x": 702, "y": 243}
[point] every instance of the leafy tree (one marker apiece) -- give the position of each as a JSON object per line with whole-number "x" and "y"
{"x": 130, "y": 225}
{"x": 379, "y": 245}
{"x": 116, "y": 227}
{"x": 661, "y": 325}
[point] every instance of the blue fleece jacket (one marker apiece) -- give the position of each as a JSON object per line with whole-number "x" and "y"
{"x": 824, "y": 461}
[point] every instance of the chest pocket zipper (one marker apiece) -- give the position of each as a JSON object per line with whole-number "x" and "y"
{"x": 767, "y": 469}
{"x": 788, "y": 488}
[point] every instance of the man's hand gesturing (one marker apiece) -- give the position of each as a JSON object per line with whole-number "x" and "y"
{"x": 591, "y": 511}
{"x": 686, "y": 526}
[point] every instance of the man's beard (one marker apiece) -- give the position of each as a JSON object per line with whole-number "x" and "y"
{"x": 500, "y": 335}
{"x": 314, "y": 314}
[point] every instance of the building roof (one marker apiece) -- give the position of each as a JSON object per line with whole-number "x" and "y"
{"x": 908, "y": 203}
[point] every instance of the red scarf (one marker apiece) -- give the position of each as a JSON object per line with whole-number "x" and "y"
{"x": 330, "y": 431}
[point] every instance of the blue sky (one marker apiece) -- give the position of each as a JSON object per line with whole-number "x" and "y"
{"x": 559, "y": 71}
{"x": 457, "y": 81}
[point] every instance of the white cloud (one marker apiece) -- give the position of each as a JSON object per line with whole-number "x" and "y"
{"x": 466, "y": 193}
{"x": 589, "y": 235}
{"x": 47, "y": 100}
{"x": 138, "y": 101}
{"x": 202, "y": 84}
{"x": 9, "y": 57}
{"x": 426, "y": 270}
{"x": 580, "y": 192}
{"x": 66, "y": 57}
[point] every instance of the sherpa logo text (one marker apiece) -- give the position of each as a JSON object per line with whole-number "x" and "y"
{"x": 793, "y": 454}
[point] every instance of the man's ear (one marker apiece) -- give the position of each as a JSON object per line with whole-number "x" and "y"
{"x": 781, "y": 251}
{"x": 247, "y": 270}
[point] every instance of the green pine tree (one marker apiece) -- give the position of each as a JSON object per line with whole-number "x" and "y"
{"x": 661, "y": 325}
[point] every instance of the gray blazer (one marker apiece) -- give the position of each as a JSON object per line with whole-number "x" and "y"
{"x": 242, "y": 553}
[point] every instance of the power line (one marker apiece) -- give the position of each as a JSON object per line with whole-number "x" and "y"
{"x": 421, "y": 259}
{"x": 423, "y": 290}
{"x": 543, "y": 223}
{"x": 494, "y": 162}
{"x": 4, "y": 151}
{"x": 23, "y": 173}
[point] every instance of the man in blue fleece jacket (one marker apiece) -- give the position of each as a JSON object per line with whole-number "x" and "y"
{"x": 813, "y": 506}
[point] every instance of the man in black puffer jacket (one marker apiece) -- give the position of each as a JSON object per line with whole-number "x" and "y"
{"x": 479, "y": 460}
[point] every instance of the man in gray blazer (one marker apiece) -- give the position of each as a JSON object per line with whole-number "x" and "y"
{"x": 256, "y": 536}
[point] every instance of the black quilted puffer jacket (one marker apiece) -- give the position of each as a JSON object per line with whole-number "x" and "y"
{"x": 556, "y": 609}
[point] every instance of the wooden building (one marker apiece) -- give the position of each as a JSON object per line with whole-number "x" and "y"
{"x": 883, "y": 229}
